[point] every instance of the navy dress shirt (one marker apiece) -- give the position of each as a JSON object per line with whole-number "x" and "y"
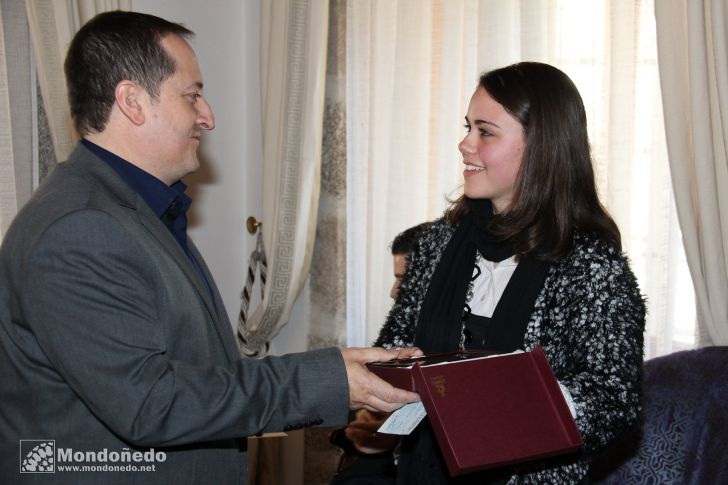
{"x": 169, "y": 203}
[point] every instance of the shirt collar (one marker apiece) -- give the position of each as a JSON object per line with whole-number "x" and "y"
{"x": 158, "y": 195}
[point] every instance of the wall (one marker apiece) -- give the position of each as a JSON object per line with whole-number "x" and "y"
{"x": 226, "y": 190}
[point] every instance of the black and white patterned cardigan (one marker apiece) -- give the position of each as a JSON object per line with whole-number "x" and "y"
{"x": 589, "y": 318}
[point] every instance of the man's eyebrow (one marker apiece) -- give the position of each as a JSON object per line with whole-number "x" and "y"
{"x": 481, "y": 122}
{"x": 196, "y": 84}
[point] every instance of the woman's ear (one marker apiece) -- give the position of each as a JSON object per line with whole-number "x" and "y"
{"x": 128, "y": 96}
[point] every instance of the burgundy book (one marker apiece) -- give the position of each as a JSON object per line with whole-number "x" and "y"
{"x": 490, "y": 411}
{"x": 398, "y": 372}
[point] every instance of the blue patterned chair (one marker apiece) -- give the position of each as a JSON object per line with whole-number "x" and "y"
{"x": 684, "y": 435}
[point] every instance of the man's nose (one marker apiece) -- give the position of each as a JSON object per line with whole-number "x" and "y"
{"x": 205, "y": 116}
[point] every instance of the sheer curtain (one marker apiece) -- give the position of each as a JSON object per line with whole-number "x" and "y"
{"x": 8, "y": 182}
{"x": 48, "y": 27}
{"x": 411, "y": 68}
{"x": 293, "y": 79}
{"x": 52, "y": 25}
{"x": 693, "y": 47}
{"x": 408, "y": 84}
{"x": 293, "y": 56}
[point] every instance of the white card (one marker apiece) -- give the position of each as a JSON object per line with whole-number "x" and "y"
{"x": 404, "y": 420}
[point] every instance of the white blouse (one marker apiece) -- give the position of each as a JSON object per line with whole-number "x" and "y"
{"x": 488, "y": 287}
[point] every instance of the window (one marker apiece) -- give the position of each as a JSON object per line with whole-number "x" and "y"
{"x": 411, "y": 68}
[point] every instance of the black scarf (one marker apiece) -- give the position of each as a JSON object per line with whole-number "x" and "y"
{"x": 439, "y": 327}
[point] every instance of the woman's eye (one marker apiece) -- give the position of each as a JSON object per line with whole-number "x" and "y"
{"x": 481, "y": 131}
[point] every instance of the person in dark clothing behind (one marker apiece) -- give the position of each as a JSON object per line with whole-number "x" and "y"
{"x": 368, "y": 456}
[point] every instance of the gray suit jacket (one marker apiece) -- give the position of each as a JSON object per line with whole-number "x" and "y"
{"x": 111, "y": 345}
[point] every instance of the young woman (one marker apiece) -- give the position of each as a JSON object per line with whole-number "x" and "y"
{"x": 527, "y": 256}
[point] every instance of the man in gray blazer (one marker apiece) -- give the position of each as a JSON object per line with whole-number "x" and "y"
{"x": 117, "y": 361}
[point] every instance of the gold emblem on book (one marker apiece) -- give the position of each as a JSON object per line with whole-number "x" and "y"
{"x": 439, "y": 383}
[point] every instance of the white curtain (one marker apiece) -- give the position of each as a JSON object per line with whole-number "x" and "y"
{"x": 293, "y": 61}
{"x": 52, "y": 26}
{"x": 16, "y": 111}
{"x": 8, "y": 190}
{"x": 408, "y": 83}
{"x": 412, "y": 66}
{"x": 693, "y": 58}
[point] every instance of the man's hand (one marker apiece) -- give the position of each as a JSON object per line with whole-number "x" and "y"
{"x": 367, "y": 390}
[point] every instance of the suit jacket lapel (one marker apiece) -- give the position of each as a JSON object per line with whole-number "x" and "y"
{"x": 115, "y": 187}
{"x": 222, "y": 322}
{"x": 160, "y": 232}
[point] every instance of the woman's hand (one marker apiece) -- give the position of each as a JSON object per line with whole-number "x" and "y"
{"x": 363, "y": 433}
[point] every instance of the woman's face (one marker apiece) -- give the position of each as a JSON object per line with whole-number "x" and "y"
{"x": 492, "y": 151}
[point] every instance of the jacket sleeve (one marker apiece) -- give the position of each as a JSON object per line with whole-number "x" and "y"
{"x": 594, "y": 341}
{"x": 93, "y": 299}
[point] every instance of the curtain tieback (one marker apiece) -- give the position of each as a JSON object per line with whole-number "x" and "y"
{"x": 257, "y": 263}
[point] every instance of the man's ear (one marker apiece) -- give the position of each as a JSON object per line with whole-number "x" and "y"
{"x": 129, "y": 99}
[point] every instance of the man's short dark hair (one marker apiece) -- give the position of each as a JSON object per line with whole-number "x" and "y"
{"x": 112, "y": 47}
{"x": 406, "y": 241}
